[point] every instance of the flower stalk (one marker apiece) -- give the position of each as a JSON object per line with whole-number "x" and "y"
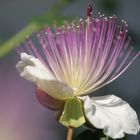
{"x": 69, "y": 133}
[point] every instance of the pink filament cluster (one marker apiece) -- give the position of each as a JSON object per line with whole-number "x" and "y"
{"x": 86, "y": 55}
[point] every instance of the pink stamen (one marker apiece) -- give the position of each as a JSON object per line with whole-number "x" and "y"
{"x": 85, "y": 55}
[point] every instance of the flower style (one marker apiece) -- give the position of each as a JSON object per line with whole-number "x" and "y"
{"x": 77, "y": 59}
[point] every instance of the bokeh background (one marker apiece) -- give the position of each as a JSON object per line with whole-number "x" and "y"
{"x": 21, "y": 115}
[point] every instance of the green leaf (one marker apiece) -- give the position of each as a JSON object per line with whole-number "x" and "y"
{"x": 72, "y": 115}
{"x": 103, "y": 138}
{"x": 95, "y": 134}
{"x": 87, "y": 135}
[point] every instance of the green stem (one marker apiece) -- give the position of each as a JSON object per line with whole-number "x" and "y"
{"x": 29, "y": 30}
{"x": 18, "y": 38}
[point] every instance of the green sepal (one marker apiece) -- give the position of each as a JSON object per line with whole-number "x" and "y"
{"x": 72, "y": 115}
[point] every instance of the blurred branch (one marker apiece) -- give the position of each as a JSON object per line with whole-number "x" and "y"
{"x": 1, "y": 41}
{"x": 34, "y": 26}
{"x": 18, "y": 38}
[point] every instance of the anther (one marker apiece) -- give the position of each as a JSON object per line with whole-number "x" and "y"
{"x": 89, "y": 11}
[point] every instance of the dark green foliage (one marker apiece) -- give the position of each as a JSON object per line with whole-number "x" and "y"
{"x": 94, "y": 134}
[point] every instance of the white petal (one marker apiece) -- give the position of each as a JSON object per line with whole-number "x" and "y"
{"x": 33, "y": 70}
{"x": 111, "y": 114}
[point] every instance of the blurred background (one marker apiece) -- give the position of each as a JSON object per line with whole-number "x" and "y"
{"x": 21, "y": 115}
